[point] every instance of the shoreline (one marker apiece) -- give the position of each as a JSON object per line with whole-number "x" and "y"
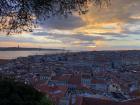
{"x": 5, "y": 60}
{"x": 27, "y": 49}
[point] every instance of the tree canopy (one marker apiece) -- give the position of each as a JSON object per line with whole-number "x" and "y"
{"x": 23, "y": 15}
{"x": 15, "y": 93}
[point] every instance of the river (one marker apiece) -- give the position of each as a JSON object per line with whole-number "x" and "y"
{"x": 16, "y": 54}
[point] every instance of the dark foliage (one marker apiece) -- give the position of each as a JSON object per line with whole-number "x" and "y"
{"x": 23, "y": 15}
{"x": 14, "y": 93}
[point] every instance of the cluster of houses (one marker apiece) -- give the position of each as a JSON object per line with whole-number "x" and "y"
{"x": 68, "y": 89}
{"x": 83, "y": 78}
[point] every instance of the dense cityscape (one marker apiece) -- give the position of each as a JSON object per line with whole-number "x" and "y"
{"x": 69, "y": 52}
{"x": 80, "y": 78}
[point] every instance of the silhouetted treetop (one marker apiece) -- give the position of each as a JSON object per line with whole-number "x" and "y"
{"x": 16, "y": 93}
{"x": 23, "y": 15}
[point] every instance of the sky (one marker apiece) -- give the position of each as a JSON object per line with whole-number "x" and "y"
{"x": 116, "y": 27}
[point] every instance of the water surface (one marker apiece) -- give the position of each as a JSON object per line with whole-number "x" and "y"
{"x": 15, "y": 54}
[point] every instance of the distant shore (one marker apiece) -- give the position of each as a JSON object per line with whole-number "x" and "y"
{"x": 27, "y": 49}
{"x": 7, "y": 54}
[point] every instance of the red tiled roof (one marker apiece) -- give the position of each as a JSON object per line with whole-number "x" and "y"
{"x": 135, "y": 93}
{"x": 46, "y": 89}
{"x": 95, "y": 81}
{"x": 54, "y": 92}
{"x": 61, "y": 78}
{"x": 75, "y": 80}
{"x": 95, "y": 101}
{"x": 136, "y": 100}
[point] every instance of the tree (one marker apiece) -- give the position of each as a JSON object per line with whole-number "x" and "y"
{"x": 15, "y": 93}
{"x": 23, "y": 15}
{"x": 45, "y": 101}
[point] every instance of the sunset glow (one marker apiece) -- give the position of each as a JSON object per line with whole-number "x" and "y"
{"x": 106, "y": 28}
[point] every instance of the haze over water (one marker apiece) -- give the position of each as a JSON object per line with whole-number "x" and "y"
{"x": 16, "y": 54}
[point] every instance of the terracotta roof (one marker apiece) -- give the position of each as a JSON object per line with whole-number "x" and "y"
{"x": 61, "y": 78}
{"x": 54, "y": 92}
{"x": 95, "y": 101}
{"x": 95, "y": 81}
{"x": 47, "y": 89}
{"x": 75, "y": 80}
{"x": 135, "y": 93}
{"x": 136, "y": 100}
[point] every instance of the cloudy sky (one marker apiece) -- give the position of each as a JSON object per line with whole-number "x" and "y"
{"x": 116, "y": 27}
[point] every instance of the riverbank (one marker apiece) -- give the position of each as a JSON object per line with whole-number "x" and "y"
{"x": 28, "y": 49}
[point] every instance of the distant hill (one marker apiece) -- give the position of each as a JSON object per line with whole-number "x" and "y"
{"x": 24, "y": 49}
